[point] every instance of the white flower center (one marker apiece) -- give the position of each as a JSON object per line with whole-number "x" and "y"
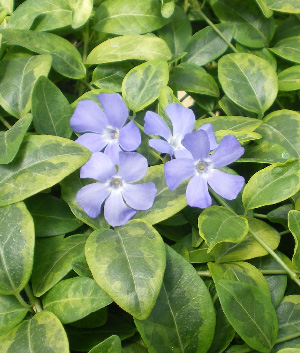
{"x": 175, "y": 142}
{"x": 111, "y": 134}
{"x": 205, "y": 167}
{"x": 116, "y": 183}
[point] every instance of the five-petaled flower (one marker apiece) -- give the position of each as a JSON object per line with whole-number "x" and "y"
{"x": 203, "y": 170}
{"x": 105, "y": 128}
{"x": 114, "y": 187}
{"x": 183, "y": 122}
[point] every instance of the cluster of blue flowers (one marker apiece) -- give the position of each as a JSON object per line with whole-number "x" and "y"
{"x": 195, "y": 155}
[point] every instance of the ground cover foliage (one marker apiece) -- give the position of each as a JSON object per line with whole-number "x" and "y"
{"x": 154, "y": 274}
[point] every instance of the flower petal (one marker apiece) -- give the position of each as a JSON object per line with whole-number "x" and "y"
{"x": 182, "y": 118}
{"x": 93, "y": 142}
{"x": 91, "y": 197}
{"x": 177, "y": 170}
{"x": 226, "y": 185}
{"x": 161, "y": 146}
{"x": 140, "y": 196}
{"x": 228, "y": 151}
{"x": 116, "y": 212}
{"x": 155, "y": 125}
{"x": 132, "y": 166}
{"x": 112, "y": 150}
{"x": 114, "y": 108}
{"x": 129, "y": 137}
{"x": 88, "y": 117}
{"x": 198, "y": 144}
{"x": 209, "y": 129}
{"x": 184, "y": 153}
{"x": 197, "y": 194}
{"x": 99, "y": 167}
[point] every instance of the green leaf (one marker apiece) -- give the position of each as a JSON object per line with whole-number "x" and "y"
{"x": 289, "y": 79}
{"x": 177, "y": 33}
{"x": 81, "y": 12}
{"x": 183, "y": 319}
{"x": 288, "y": 313}
{"x": 18, "y": 74}
{"x": 53, "y": 260}
{"x": 110, "y": 76}
{"x": 129, "y": 17}
{"x": 167, "y": 8}
{"x": 111, "y": 345}
{"x": 246, "y": 301}
{"x": 218, "y": 224}
{"x": 290, "y": 6}
{"x": 231, "y": 109}
{"x": 16, "y": 245}
{"x": 41, "y": 162}
{"x": 272, "y": 184}
{"x": 51, "y": 14}
{"x": 253, "y": 34}
{"x": 263, "y": 53}
{"x": 43, "y": 333}
{"x": 126, "y": 48}
{"x": 11, "y": 139}
{"x": 206, "y": 45}
{"x": 288, "y": 49}
{"x": 293, "y": 222}
{"x": 192, "y": 78}
{"x": 249, "y": 81}
{"x": 12, "y": 313}
{"x": 280, "y": 214}
{"x": 70, "y": 186}
{"x": 72, "y": 299}
{"x": 167, "y": 203}
{"x": 248, "y": 248}
{"x": 50, "y": 109}
{"x": 66, "y": 60}
{"x": 224, "y": 332}
{"x": 84, "y": 340}
{"x": 264, "y": 8}
{"x": 142, "y": 84}
{"x": 51, "y": 216}
{"x": 93, "y": 320}
{"x": 264, "y": 152}
{"x": 131, "y": 260}
{"x": 288, "y": 350}
{"x": 280, "y": 128}
{"x": 7, "y": 4}
{"x": 232, "y": 123}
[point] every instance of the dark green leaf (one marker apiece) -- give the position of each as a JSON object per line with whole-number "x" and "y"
{"x": 111, "y": 345}
{"x": 12, "y": 313}
{"x": 288, "y": 313}
{"x": 16, "y": 248}
{"x": 18, "y": 74}
{"x": 51, "y": 216}
{"x": 66, "y": 60}
{"x": 50, "y": 109}
{"x": 183, "y": 319}
{"x": 53, "y": 260}
{"x": 294, "y": 222}
{"x": 11, "y": 139}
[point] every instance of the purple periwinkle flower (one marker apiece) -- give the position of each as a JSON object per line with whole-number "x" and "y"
{"x": 114, "y": 187}
{"x": 203, "y": 169}
{"x": 105, "y": 129}
{"x": 183, "y": 122}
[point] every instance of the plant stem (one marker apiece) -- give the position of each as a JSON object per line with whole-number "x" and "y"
{"x": 34, "y": 302}
{"x": 22, "y": 301}
{"x": 285, "y": 232}
{"x": 290, "y": 272}
{"x": 197, "y": 9}
{"x": 86, "y": 40}
{"x": 212, "y": 114}
{"x": 86, "y": 84}
{"x": 4, "y": 122}
{"x": 259, "y": 215}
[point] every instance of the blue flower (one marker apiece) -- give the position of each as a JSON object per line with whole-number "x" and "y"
{"x": 183, "y": 122}
{"x": 203, "y": 170}
{"x": 114, "y": 188}
{"x": 105, "y": 129}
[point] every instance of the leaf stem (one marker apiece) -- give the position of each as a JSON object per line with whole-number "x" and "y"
{"x": 285, "y": 232}
{"x": 34, "y": 302}
{"x": 86, "y": 40}
{"x": 259, "y": 215}
{"x": 212, "y": 114}
{"x": 4, "y": 122}
{"x": 197, "y": 9}
{"x": 86, "y": 84}
{"x": 290, "y": 272}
